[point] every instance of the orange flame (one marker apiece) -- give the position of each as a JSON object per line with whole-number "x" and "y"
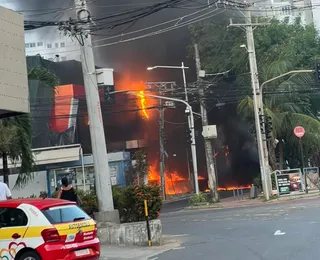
{"x": 143, "y": 103}
{"x": 177, "y": 184}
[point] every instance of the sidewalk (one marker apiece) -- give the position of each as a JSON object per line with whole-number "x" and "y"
{"x": 110, "y": 252}
{"x": 231, "y": 203}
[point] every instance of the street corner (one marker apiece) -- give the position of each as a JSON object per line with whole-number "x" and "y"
{"x": 110, "y": 252}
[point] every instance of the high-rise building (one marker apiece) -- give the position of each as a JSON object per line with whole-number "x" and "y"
{"x": 284, "y": 10}
{"x": 51, "y": 45}
{"x": 48, "y": 42}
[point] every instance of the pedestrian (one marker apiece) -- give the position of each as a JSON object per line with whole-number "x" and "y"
{"x": 67, "y": 192}
{"x": 5, "y": 193}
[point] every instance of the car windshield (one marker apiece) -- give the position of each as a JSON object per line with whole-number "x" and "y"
{"x": 65, "y": 214}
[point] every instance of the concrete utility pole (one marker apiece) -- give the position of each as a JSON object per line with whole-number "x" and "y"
{"x": 98, "y": 142}
{"x": 212, "y": 176}
{"x": 161, "y": 87}
{"x": 162, "y": 150}
{"x": 183, "y": 68}
{"x": 193, "y": 139}
{"x": 258, "y": 108}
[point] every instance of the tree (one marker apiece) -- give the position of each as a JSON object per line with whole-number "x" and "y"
{"x": 16, "y": 134}
{"x": 280, "y": 47}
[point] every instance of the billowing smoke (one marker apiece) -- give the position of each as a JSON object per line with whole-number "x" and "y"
{"x": 130, "y": 61}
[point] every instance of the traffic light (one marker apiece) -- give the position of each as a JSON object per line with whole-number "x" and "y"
{"x": 188, "y": 136}
{"x": 268, "y": 127}
{"x": 261, "y": 120}
{"x": 317, "y": 71}
{"x": 110, "y": 98}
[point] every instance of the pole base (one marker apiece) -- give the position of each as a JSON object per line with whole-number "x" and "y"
{"x": 108, "y": 216}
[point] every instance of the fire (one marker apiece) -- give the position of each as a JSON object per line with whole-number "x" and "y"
{"x": 174, "y": 183}
{"x": 177, "y": 184}
{"x": 143, "y": 103}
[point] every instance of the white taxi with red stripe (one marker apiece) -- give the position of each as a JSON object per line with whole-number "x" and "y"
{"x": 46, "y": 229}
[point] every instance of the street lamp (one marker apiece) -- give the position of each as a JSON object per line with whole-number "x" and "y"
{"x": 191, "y": 127}
{"x": 183, "y": 68}
{"x": 261, "y": 109}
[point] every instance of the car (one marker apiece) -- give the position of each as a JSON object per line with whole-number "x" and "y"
{"x": 46, "y": 229}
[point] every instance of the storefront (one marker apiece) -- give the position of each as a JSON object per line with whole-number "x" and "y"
{"x": 81, "y": 175}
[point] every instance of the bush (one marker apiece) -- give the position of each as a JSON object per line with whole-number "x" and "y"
{"x": 198, "y": 198}
{"x": 130, "y": 202}
{"x": 89, "y": 200}
{"x": 258, "y": 183}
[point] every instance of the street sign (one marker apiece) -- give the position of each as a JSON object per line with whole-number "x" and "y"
{"x": 283, "y": 183}
{"x": 299, "y": 131}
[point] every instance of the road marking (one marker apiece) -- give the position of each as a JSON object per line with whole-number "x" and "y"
{"x": 179, "y": 235}
{"x": 178, "y": 248}
{"x": 195, "y": 220}
{"x": 155, "y": 258}
{"x": 314, "y": 222}
{"x": 204, "y": 220}
{"x": 279, "y": 233}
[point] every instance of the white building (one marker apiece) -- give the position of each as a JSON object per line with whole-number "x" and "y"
{"x": 284, "y": 9}
{"x": 48, "y": 42}
{"x": 51, "y": 45}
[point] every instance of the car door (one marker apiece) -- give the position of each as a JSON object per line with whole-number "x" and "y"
{"x": 13, "y": 226}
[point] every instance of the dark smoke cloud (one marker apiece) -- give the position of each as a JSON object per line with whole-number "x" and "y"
{"x": 131, "y": 60}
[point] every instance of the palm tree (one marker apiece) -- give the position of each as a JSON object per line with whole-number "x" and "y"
{"x": 16, "y": 134}
{"x": 288, "y": 107}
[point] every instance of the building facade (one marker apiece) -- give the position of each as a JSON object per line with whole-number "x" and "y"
{"x": 51, "y": 45}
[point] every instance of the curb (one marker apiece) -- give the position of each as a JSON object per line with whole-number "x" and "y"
{"x": 240, "y": 205}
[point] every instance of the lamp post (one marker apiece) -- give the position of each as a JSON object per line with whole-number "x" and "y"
{"x": 261, "y": 109}
{"x": 191, "y": 127}
{"x": 182, "y": 68}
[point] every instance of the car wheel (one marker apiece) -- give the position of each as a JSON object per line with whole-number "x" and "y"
{"x": 31, "y": 255}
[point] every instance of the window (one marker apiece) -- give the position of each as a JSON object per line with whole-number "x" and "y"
{"x": 56, "y": 45}
{"x": 40, "y": 44}
{"x": 63, "y": 58}
{"x": 12, "y": 217}
{"x": 62, "y": 44}
{"x": 32, "y": 44}
{"x": 27, "y": 45}
{"x": 65, "y": 214}
{"x": 49, "y": 45}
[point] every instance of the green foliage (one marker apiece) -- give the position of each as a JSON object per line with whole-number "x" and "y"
{"x": 198, "y": 199}
{"x": 280, "y": 47}
{"x": 258, "y": 183}
{"x": 89, "y": 200}
{"x": 130, "y": 202}
{"x": 219, "y": 47}
{"x": 16, "y": 132}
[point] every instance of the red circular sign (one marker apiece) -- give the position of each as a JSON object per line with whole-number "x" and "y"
{"x": 299, "y": 131}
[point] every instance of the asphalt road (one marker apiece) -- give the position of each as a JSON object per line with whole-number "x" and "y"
{"x": 246, "y": 233}
{"x": 183, "y": 203}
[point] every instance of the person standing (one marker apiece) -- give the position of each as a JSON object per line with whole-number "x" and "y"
{"x": 67, "y": 192}
{"x": 5, "y": 193}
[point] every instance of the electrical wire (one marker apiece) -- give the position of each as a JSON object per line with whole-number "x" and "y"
{"x": 159, "y": 31}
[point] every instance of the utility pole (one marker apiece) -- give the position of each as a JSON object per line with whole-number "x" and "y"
{"x": 161, "y": 87}
{"x": 193, "y": 139}
{"x": 162, "y": 150}
{"x": 98, "y": 142}
{"x": 258, "y": 107}
{"x": 212, "y": 176}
